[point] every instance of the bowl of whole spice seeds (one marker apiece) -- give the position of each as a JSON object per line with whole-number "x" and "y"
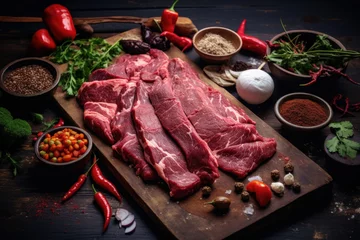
{"x": 303, "y": 111}
{"x": 216, "y": 44}
{"x": 29, "y": 79}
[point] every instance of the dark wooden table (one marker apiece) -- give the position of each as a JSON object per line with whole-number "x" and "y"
{"x": 29, "y": 202}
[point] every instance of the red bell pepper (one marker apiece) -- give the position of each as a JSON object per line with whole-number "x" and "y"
{"x": 42, "y": 43}
{"x": 169, "y": 18}
{"x": 59, "y": 22}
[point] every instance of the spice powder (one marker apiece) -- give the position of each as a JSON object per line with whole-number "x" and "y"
{"x": 28, "y": 80}
{"x": 215, "y": 44}
{"x": 303, "y": 112}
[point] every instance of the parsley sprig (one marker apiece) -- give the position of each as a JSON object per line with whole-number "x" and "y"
{"x": 83, "y": 56}
{"x": 340, "y": 143}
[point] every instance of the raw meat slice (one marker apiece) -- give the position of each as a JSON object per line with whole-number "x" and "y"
{"x": 182, "y": 70}
{"x": 156, "y": 69}
{"x": 159, "y": 149}
{"x": 127, "y": 144}
{"x": 100, "y": 91}
{"x": 97, "y": 117}
{"x": 240, "y": 160}
{"x": 231, "y": 137}
{"x": 198, "y": 155}
{"x": 125, "y": 67}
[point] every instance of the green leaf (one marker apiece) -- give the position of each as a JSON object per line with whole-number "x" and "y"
{"x": 332, "y": 144}
{"x": 341, "y": 149}
{"x": 343, "y": 129}
{"x": 350, "y": 152}
{"x": 352, "y": 144}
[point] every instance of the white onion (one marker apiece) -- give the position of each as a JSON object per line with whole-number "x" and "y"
{"x": 128, "y": 221}
{"x": 121, "y": 214}
{"x": 255, "y": 86}
{"x": 130, "y": 228}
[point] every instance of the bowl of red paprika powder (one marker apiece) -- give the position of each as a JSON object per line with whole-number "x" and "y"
{"x": 303, "y": 111}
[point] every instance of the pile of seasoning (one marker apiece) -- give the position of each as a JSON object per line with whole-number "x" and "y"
{"x": 28, "y": 80}
{"x": 303, "y": 112}
{"x": 215, "y": 44}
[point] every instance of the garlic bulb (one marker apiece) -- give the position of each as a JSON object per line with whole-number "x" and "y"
{"x": 255, "y": 86}
{"x": 277, "y": 187}
{"x": 289, "y": 179}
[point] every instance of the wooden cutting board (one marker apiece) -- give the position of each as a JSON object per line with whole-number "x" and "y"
{"x": 190, "y": 218}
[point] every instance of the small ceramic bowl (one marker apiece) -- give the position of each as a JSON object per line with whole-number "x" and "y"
{"x": 52, "y": 69}
{"x": 226, "y": 33}
{"x": 309, "y": 37}
{"x": 73, "y": 166}
{"x": 302, "y": 95}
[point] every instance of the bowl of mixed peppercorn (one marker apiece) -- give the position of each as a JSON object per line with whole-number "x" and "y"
{"x": 307, "y": 57}
{"x": 65, "y": 149}
{"x": 302, "y": 111}
{"x": 29, "y": 79}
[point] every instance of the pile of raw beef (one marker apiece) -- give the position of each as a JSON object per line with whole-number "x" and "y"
{"x": 162, "y": 119}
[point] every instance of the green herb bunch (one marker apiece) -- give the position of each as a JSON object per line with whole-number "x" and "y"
{"x": 341, "y": 142}
{"x": 83, "y": 56}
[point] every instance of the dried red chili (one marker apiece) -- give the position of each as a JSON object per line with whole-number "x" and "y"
{"x": 77, "y": 185}
{"x": 101, "y": 200}
{"x": 99, "y": 179}
{"x": 303, "y": 112}
{"x": 339, "y": 99}
{"x": 183, "y": 43}
{"x": 251, "y": 43}
{"x": 169, "y": 18}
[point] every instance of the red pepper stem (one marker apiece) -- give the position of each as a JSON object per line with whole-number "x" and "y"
{"x": 172, "y": 8}
{"x": 93, "y": 187}
{"x": 87, "y": 172}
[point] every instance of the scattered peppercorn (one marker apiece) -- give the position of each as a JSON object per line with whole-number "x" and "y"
{"x": 206, "y": 191}
{"x": 239, "y": 187}
{"x": 296, "y": 187}
{"x": 275, "y": 174}
{"x": 245, "y": 196}
{"x": 289, "y": 168}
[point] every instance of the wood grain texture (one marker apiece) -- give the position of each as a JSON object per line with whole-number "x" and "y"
{"x": 189, "y": 218}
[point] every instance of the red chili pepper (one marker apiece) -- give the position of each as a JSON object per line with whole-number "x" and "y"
{"x": 59, "y": 22}
{"x": 169, "y": 18}
{"x": 183, "y": 43}
{"x": 77, "y": 185}
{"x": 251, "y": 43}
{"x": 101, "y": 200}
{"x": 42, "y": 43}
{"x": 99, "y": 179}
{"x": 262, "y": 192}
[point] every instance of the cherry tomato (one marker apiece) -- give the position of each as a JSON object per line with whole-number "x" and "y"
{"x": 39, "y": 134}
{"x": 262, "y": 192}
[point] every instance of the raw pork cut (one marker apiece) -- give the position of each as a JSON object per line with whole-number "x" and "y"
{"x": 232, "y": 137}
{"x": 127, "y": 144}
{"x": 198, "y": 155}
{"x": 98, "y": 116}
{"x": 160, "y": 150}
{"x": 100, "y": 91}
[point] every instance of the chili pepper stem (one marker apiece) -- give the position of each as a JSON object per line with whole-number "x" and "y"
{"x": 172, "y": 8}
{"x": 93, "y": 187}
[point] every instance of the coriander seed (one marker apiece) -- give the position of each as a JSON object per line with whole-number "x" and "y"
{"x": 296, "y": 187}
{"x": 206, "y": 190}
{"x": 275, "y": 174}
{"x": 239, "y": 187}
{"x": 288, "y": 168}
{"x": 245, "y": 196}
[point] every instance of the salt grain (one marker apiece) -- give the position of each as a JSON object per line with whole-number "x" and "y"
{"x": 228, "y": 192}
{"x": 249, "y": 209}
{"x": 255, "y": 178}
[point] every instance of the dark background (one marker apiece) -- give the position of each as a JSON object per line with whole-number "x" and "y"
{"x": 333, "y": 215}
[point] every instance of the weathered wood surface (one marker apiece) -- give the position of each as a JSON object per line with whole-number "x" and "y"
{"x": 332, "y": 216}
{"x": 189, "y": 218}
